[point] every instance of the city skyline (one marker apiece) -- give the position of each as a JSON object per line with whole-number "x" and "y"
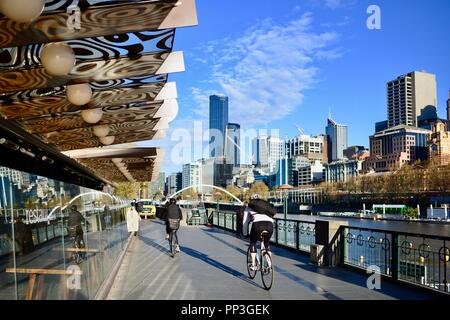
{"x": 348, "y": 78}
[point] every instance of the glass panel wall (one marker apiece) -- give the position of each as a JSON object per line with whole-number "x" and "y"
{"x": 57, "y": 240}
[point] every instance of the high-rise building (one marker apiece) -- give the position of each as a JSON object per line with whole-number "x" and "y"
{"x": 310, "y": 174}
{"x": 233, "y": 144}
{"x": 392, "y": 148}
{"x": 337, "y": 140}
{"x": 191, "y": 175}
{"x": 287, "y": 170}
{"x": 267, "y": 151}
{"x": 218, "y": 120}
{"x": 408, "y": 95}
{"x": 310, "y": 147}
{"x": 216, "y": 171}
{"x": 260, "y": 152}
{"x": 174, "y": 183}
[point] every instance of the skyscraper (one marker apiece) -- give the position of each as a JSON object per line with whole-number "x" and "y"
{"x": 233, "y": 144}
{"x": 260, "y": 153}
{"x": 337, "y": 140}
{"x": 267, "y": 151}
{"x": 218, "y": 120}
{"x": 408, "y": 95}
{"x": 191, "y": 175}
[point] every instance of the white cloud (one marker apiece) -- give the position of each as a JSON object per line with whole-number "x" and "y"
{"x": 266, "y": 71}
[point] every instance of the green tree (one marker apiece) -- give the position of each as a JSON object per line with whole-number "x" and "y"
{"x": 235, "y": 191}
{"x": 259, "y": 188}
{"x": 128, "y": 190}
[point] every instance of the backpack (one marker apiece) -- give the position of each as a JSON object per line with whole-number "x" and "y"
{"x": 263, "y": 207}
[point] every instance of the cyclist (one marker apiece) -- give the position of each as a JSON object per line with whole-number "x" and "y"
{"x": 261, "y": 222}
{"x": 74, "y": 225}
{"x": 173, "y": 211}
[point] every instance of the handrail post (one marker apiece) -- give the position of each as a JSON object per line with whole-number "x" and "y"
{"x": 395, "y": 256}
{"x": 297, "y": 236}
{"x": 343, "y": 241}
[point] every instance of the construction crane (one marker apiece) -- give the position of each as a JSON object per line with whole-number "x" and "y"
{"x": 300, "y": 129}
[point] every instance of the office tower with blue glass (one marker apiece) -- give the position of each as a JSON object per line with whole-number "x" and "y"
{"x": 218, "y": 120}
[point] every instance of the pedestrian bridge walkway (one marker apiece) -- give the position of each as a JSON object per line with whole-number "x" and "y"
{"x": 211, "y": 265}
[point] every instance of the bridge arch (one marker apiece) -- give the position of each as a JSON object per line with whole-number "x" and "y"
{"x": 207, "y": 186}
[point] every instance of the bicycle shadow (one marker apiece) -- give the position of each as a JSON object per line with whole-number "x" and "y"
{"x": 151, "y": 243}
{"x": 205, "y": 258}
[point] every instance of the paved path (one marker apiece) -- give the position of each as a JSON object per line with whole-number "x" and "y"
{"x": 211, "y": 265}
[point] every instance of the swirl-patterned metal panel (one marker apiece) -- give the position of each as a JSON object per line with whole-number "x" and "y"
{"x": 58, "y": 104}
{"x": 107, "y": 47}
{"x": 101, "y": 20}
{"x": 111, "y": 116}
{"x": 83, "y": 72}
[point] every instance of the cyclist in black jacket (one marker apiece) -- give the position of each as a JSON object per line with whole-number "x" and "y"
{"x": 173, "y": 211}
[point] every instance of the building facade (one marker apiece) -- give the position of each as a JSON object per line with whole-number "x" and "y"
{"x": 342, "y": 171}
{"x": 218, "y": 120}
{"x": 408, "y": 95}
{"x": 260, "y": 152}
{"x": 233, "y": 144}
{"x": 356, "y": 153}
{"x": 337, "y": 138}
{"x": 310, "y": 147}
{"x": 191, "y": 175}
{"x": 392, "y": 148}
{"x": 174, "y": 183}
{"x": 310, "y": 174}
{"x": 439, "y": 144}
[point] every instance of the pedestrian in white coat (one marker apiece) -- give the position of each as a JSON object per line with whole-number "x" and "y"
{"x": 133, "y": 219}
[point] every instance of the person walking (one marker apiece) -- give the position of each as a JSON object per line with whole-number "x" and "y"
{"x": 133, "y": 219}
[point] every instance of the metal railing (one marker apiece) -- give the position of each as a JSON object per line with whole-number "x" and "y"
{"x": 418, "y": 259}
{"x": 290, "y": 233}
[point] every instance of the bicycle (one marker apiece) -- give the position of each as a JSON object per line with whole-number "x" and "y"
{"x": 78, "y": 244}
{"x": 263, "y": 265}
{"x": 174, "y": 225}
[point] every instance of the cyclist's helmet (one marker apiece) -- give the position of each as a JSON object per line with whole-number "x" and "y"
{"x": 73, "y": 207}
{"x": 172, "y": 201}
{"x": 255, "y": 196}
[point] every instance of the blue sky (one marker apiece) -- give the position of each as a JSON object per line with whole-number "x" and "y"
{"x": 286, "y": 63}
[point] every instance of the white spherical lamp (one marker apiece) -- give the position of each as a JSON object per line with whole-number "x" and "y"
{"x": 101, "y": 130}
{"x": 79, "y": 94}
{"x": 58, "y": 59}
{"x": 22, "y": 10}
{"x": 92, "y": 115}
{"x": 107, "y": 140}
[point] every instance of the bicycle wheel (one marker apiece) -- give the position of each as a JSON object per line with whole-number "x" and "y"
{"x": 251, "y": 273}
{"x": 267, "y": 271}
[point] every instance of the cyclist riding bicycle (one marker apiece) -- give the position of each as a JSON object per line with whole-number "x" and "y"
{"x": 173, "y": 212}
{"x": 262, "y": 229}
{"x": 74, "y": 222}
